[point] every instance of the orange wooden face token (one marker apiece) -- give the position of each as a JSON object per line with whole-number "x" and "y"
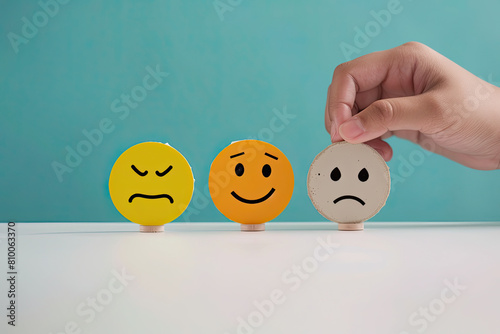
{"x": 251, "y": 182}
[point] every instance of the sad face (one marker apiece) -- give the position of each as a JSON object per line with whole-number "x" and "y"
{"x": 348, "y": 183}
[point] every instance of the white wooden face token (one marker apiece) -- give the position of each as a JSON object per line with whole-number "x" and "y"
{"x": 348, "y": 184}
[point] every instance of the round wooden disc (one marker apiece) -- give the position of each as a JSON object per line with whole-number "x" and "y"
{"x": 352, "y": 227}
{"x": 152, "y": 228}
{"x": 253, "y": 227}
{"x": 348, "y": 183}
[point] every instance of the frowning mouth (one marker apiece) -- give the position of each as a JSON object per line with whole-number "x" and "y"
{"x": 349, "y": 197}
{"x": 151, "y": 197}
{"x": 253, "y": 201}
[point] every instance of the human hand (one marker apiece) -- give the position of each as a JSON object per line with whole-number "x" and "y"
{"x": 417, "y": 94}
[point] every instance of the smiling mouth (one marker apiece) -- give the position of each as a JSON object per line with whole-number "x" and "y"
{"x": 349, "y": 197}
{"x": 151, "y": 197}
{"x": 253, "y": 201}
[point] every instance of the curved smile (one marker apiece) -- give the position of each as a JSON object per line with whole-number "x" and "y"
{"x": 253, "y": 201}
{"x": 349, "y": 197}
{"x": 151, "y": 197}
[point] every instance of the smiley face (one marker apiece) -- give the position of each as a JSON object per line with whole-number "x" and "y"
{"x": 251, "y": 182}
{"x": 348, "y": 183}
{"x": 151, "y": 184}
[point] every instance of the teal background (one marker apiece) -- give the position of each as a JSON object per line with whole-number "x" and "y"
{"x": 225, "y": 79}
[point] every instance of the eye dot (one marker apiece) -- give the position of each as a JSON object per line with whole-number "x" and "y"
{"x": 363, "y": 175}
{"x": 266, "y": 170}
{"x": 335, "y": 174}
{"x": 239, "y": 169}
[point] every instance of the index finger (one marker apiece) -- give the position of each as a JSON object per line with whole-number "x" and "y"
{"x": 349, "y": 79}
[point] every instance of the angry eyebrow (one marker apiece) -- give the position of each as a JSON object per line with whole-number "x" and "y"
{"x": 271, "y": 156}
{"x": 237, "y": 155}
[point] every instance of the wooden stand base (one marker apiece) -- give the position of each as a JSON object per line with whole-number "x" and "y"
{"x": 352, "y": 227}
{"x": 152, "y": 228}
{"x": 253, "y": 227}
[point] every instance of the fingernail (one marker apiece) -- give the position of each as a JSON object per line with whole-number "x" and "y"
{"x": 332, "y": 130}
{"x": 352, "y": 128}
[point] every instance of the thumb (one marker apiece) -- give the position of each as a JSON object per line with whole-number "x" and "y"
{"x": 402, "y": 113}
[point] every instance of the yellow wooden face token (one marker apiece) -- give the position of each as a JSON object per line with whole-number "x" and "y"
{"x": 151, "y": 184}
{"x": 251, "y": 182}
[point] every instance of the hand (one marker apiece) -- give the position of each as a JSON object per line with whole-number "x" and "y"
{"x": 417, "y": 94}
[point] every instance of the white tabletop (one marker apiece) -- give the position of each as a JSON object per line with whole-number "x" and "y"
{"x": 291, "y": 278}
